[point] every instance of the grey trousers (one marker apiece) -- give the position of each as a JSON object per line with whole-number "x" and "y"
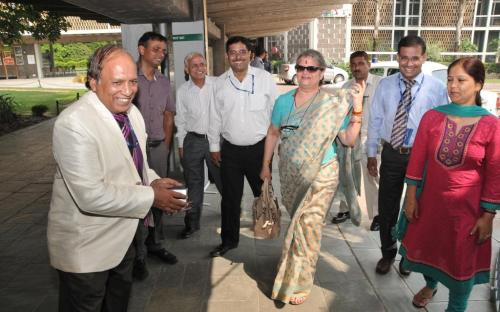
{"x": 196, "y": 154}
{"x": 148, "y": 238}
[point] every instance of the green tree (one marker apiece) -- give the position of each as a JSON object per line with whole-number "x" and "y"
{"x": 72, "y": 55}
{"x": 16, "y": 19}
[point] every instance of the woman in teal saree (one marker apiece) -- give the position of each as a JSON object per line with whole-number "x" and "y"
{"x": 308, "y": 120}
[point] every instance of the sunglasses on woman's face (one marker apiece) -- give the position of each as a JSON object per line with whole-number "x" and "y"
{"x": 311, "y": 69}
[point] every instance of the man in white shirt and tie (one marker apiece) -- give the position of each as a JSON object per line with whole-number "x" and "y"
{"x": 240, "y": 113}
{"x": 191, "y": 119}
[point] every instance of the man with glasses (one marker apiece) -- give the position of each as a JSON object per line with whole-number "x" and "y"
{"x": 240, "y": 113}
{"x": 155, "y": 102}
{"x": 398, "y": 105}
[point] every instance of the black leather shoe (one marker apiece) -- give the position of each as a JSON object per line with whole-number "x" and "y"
{"x": 140, "y": 272}
{"x": 341, "y": 217}
{"x": 187, "y": 233}
{"x": 220, "y": 250}
{"x": 402, "y": 270}
{"x": 384, "y": 265}
{"x": 375, "y": 226}
{"x": 164, "y": 255}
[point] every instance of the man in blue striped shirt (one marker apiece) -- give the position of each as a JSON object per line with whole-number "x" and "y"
{"x": 398, "y": 105}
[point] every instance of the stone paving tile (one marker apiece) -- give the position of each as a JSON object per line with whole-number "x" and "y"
{"x": 473, "y": 306}
{"x": 396, "y": 299}
{"x": 368, "y": 259}
{"x": 4, "y": 194}
{"x": 240, "y": 281}
{"x": 345, "y": 296}
{"x": 12, "y": 186}
{"x": 36, "y": 188}
{"x": 315, "y": 302}
{"x": 233, "y": 288}
{"x": 11, "y": 205}
{"x": 22, "y": 299}
{"x": 218, "y": 306}
{"x": 336, "y": 268}
{"x": 49, "y": 303}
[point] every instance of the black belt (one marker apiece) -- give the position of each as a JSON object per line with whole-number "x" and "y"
{"x": 244, "y": 146}
{"x": 400, "y": 150}
{"x": 154, "y": 143}
{"x": 201, "y": 136}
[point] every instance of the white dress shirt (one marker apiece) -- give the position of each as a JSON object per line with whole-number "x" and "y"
{"x": 192, "y": 108}
{"x": 241, "y": 111}
{"x": 371, "y": 84}
{"x": 427, "y": 93}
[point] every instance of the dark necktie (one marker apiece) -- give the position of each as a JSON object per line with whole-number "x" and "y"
{"x": 401, "y": 118}
{"x": 136, "y": 152}
{"x": 132, "y": 143}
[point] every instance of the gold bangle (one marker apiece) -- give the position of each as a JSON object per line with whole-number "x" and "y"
{"x": 355, "y": 113}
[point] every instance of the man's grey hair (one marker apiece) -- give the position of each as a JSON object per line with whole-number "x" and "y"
{"x": 315, "y": 55}
{"x": 190, "y": 56}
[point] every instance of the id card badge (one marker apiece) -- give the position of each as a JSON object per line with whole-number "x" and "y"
{"x": 407, "y": 137}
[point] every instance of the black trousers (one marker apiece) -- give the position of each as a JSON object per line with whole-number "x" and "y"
{"x": 238, "y": 162}
{"x": 392, "y": 174}
{"x": 106, "y": 291}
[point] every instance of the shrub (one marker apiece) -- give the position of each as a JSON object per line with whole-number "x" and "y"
{"x": 39, "y": 110}
{"x": 492, "y": 68}
{"x": 7, "y": 106}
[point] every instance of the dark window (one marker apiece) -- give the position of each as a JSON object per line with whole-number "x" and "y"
{"x": 398, "y": 34}
{"x": 482, "y": 7}
{"x": 479, "y": 40}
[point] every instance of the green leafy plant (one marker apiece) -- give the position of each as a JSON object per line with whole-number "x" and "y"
{"x": 39, "y": 110}
{"x": 468, "y": 46}
{"x": 434, "y": 50}
{"x": 7, "y": 108}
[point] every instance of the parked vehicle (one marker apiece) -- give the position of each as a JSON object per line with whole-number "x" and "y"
{"x": 490, "y": 100}
{"x": 333, "y": 74}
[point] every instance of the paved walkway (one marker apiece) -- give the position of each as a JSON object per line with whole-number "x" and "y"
{"x": 240, "y": 281}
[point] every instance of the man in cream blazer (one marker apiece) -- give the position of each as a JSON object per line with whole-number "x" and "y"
{"x": 99, "y": 190}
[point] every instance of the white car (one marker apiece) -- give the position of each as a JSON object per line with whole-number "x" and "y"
{"x": 333, "y": 74}
{"x": 490, "y": 100}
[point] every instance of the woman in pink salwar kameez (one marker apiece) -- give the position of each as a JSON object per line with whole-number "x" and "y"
{"x": 453, "y": 192}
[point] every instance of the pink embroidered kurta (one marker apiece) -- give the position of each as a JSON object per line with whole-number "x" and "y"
{"x": 462, "y": 170}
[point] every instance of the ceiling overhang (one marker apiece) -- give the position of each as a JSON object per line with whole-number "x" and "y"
{"x": 251, "y": 18}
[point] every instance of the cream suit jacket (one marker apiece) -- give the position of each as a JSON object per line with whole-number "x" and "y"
{"x": 97, "y": 196}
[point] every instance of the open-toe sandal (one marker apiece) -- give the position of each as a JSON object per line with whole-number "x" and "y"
{"x": 419, "y": 301}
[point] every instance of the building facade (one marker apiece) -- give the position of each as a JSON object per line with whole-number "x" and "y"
{"x": 433, "y": 20}
{"x": 350, "y": 28}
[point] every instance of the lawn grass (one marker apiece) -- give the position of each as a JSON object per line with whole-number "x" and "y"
{"x": 492, "y": 80}
{"x": 26, "y": 98}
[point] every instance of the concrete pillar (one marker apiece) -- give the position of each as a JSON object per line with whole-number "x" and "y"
{"x": 38, "y": 62}
{"x": 131, "y": 34}
{"x": 285, "y": 47}
{"x": 219, "y": 50}
{"x": 313, "y": 34}
{"x": 348, "y": 26}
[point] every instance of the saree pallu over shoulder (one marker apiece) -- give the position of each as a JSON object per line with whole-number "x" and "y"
{"x": 308, "y": 186}
{"x": 301, "y": 154}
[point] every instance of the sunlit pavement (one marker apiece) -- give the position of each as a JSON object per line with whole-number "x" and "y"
{"x": 239, "y": 281}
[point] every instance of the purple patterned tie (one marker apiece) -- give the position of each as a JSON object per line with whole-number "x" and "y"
{"x": 135, "y": 151}
{"x": 132, "y": 143}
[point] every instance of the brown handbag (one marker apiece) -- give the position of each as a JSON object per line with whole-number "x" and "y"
{"x": 266, "y": 213}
